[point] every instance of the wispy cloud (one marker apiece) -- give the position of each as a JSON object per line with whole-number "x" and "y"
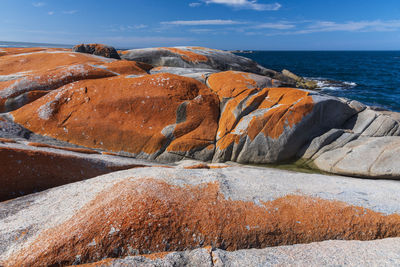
{"x": 38, "y": 4}
{"x": 353, "y": 26}
{"x": 201, "y": 31}
{"x": 276, "y": 25}
{"x": 195, "y": 4}
{"x": 51, "y": 13}
{"x": 202, "y": 22}
{"x": 137, "y": 41}
{"x": 246, "y": 4}
{"x": 310, "y": 27}
{"x": 126, "y": 28}
{"x": 70, "y": 12}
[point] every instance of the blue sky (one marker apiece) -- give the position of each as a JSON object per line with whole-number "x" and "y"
{"x": 223, "y": 24}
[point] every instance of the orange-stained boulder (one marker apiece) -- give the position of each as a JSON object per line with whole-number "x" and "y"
{"x": 230, "y": 84}
{"x": 145, "y": 215}
{"x": 27, "y": 76}
{"x": 162, "y": 116}
{"x": 272, "y": 124}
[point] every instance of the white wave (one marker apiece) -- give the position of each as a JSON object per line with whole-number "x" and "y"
{"x": 329, "y": 84}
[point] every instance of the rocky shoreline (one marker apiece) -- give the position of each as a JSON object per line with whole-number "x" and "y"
{"x": 106, "y": 155}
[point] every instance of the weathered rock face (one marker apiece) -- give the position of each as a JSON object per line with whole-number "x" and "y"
{"x": 194, "y": 57}
{"x": 97, "y": 49}
{"x": 24, "y": 78}
{"x": 272, "y": 124}
{"x": 149, "y": 210}
{"x": 162, "y": 116}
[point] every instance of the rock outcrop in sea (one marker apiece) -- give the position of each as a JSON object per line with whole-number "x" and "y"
{"x": 150, "y": 160}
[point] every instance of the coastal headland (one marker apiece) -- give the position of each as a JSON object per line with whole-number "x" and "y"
{"x": 153, "y": 157}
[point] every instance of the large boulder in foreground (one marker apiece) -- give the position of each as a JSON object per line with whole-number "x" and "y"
{"x": 97, "y": 49}
{"x": 149, "y": 210}
{"x": 161, "y": 116}
{"x": 26, "y": 77}
{"x": 195, "y": 57}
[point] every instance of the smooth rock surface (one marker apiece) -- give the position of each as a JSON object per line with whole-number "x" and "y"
{"x": 195, "y": 73}
{"x": 194, "y": 57}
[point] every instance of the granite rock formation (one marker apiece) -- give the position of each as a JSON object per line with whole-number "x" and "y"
{"x": 167, "y": 134}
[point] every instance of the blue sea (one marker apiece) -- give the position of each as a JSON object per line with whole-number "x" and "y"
{"x": 371, "y": 77}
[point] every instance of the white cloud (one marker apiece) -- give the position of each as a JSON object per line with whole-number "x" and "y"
{"x": 202, "y": 22}
{"x": 139, "y": 26}
{"x": 126, "y": 28}
{"x": 38, "y": 4}
{"x": 195, "y": 4}
{"x": 70, "y": 12}
{"x": 276, "y": 26}
{"x": 200, "y": 31}
{"x": 246, "y": 4}
{"x": 50, "y": 13}
{"x": 375, "y": 25}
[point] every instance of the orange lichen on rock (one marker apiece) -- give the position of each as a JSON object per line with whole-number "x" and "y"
{"x": 150, "y": 216}
{"x": 44, "y": 61}
{"x": 5, "y": 51}
{"x": 25, "y": 73}
{"x": 73, "y": 149}
{"x": 275, "y": 110}
{"x": 229, "y": 84}
{"x": 287, "y": 107}
{"x": 187, "y": 55}
{"x": 136, "y": 115}
{"x": 233, "y": 110}
{"x": 7, "y": 140}
{"x": 24, "y": 171}
{"x": 127, "y": 67}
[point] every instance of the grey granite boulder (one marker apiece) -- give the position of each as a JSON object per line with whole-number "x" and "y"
{"x": 368, "y": 145}
{"x": 97, "y": 49}
{"x": 195, "y": 57}
{"x": 195, "y": 73}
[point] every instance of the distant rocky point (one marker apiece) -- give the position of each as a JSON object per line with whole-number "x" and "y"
{"x": 156, "y": 158}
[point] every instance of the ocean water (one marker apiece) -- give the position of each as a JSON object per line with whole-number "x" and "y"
{"x": 24, "y": 44}
{"x": 371, "y": 77}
